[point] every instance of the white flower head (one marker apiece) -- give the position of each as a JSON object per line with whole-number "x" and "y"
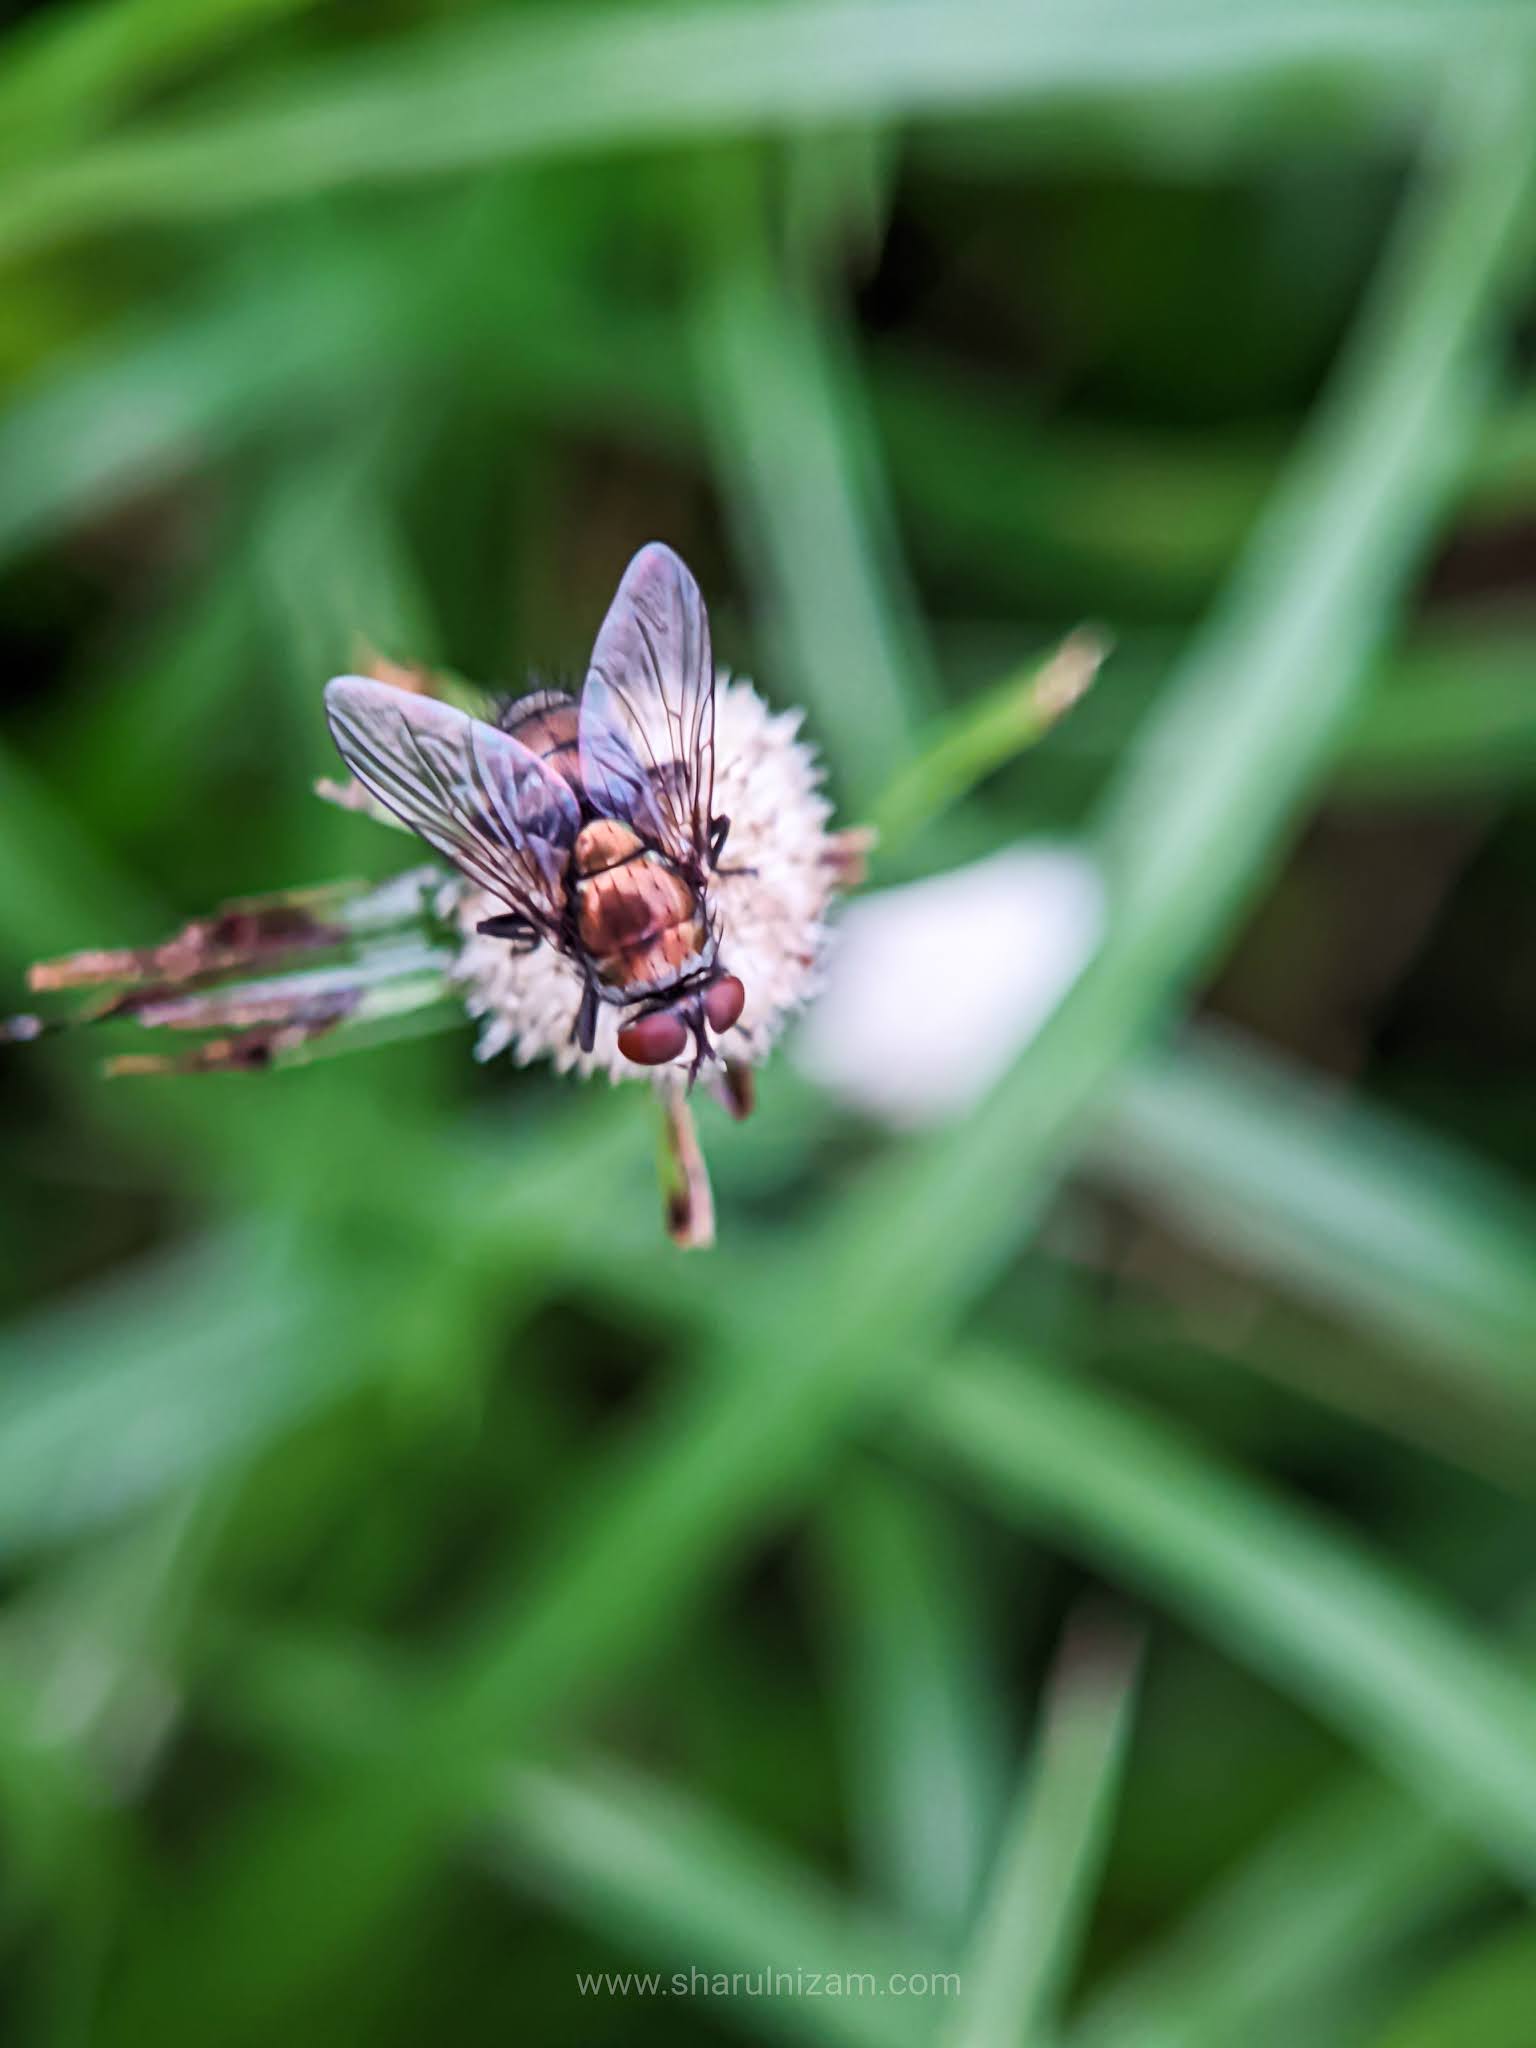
{"x": 768, "y": 900}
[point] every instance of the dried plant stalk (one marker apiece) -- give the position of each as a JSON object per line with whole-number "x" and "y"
{"x": 687, "y": 1198}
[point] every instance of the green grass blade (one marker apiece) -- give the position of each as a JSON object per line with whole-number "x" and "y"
{"x": 1015, "y": 714}
{"x": 647, "y": 1867}
{"x": 783, "y": 405}
{"x": 160, "y": 396}
{"x": 882, "y": 1280}
{"x": 56, "y": 889}
{"x": 1317, "y": 595}
{"x": 1449, "y": 709}
{"x": 545, "y": 83}
{"x": 108, "y": 1405}
{"x": 1327, "y": 563}
{"x": 1031, "y": 1926}
{"x": 641, "y": 1863}
{"x": 1359, "y": 1874}
{"x": 920, "y": 1696}
{"x": 1485, "y": 1996}
{"x": 1384, "y": 1223}
{"x": 68, "y": 70}
{"x": 1455, "y": 711}
{"x": 1437, "y": 1708}
{"x": 186, "y": 1366}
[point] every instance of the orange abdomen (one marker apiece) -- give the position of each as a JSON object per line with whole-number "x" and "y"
{"x": 547, "y": 722}
{"x": 637, "y": 919}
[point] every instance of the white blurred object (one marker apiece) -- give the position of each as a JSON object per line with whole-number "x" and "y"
{"x": 935, "y": 987}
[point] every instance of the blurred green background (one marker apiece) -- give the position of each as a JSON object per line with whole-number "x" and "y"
{"x": 1087, "y": 1550}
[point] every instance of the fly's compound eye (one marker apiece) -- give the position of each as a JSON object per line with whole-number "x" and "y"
{"x": 724, "y": 1001}
{"x": 653, "y": 1040}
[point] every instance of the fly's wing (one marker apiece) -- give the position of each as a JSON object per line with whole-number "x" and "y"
{"x": 648, "y": 708}
{"x": 477, "y": 795}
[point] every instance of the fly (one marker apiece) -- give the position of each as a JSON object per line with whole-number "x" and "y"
{"x": 590, "y": 820}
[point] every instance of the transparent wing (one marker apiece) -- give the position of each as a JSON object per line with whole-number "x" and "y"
{"x": 475, "y": 794}
{"x": 648, "y": 708}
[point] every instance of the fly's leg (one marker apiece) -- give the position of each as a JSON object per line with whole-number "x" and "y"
{"x": 719, "y": 832}
{"x": 702, "y": 1049}
{"x": 585, "y": 1029}
{"x": 519, "y": 934}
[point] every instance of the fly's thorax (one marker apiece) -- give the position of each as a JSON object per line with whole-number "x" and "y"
{"x": 604, "y": 844}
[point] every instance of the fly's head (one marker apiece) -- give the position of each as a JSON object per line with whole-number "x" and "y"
{"x": 660, "y": 1034}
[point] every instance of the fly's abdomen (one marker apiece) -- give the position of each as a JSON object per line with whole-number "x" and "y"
{"x": 638, "y": 921}
{"x": 547, "y": 724}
